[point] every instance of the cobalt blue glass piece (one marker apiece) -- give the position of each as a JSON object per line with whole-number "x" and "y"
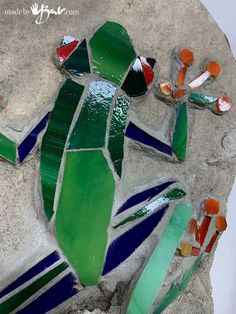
{"x": 122, "y": 247}
{"x": 137, "y": 134}
{"x": 144, "y": 195}
{"x": 29, "y": 142}
{"x": 60, "y": 292}
{"x": 32, "y": 272}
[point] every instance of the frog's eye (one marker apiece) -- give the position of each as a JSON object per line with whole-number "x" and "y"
{"x": 140, "y": 77}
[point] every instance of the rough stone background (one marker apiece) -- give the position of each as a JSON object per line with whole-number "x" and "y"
{"x": 155, "y": 27}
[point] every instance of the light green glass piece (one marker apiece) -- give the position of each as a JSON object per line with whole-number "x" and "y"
{"x": 90, "y": 128}
{"x": 201, "y": 99}
{"x": 117, "y": 132}
{"x": 84, "y": 211}
{"x": 174, "y": 194}
{"x": 180, "y": 137}
{"x": 177, "y": 289}
{"x": 150, "y": 281}
{"x": 8, "y": 149}
{"x": 112, "y": 52}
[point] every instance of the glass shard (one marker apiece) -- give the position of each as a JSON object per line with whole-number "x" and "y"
{"x": 137, "y": 134}
{"x": 201, "y": 99}
{"x": 221, "y": 223}
{"x": 196, "y": 251}
{"x": 68, "y": 44}
{"x": 7, "y": 149}
{"x": 223, "y": 104}
{"x": 186, "y": 249}
{"x": 147, "y": 65}
{"x": 78, "y": 62}
{"x": 202, "y": 232}
{"x": 212, "y": 242}
{"x": 180, "y": 136}
{"x": 181, "y": 76}
{"x": 122, "y": 247}
{"x": 54, "y": 139}
{"x": 84, "y": 211}
{"x": 151, "y": 279}
{"x": 112, "y": 52}
{"x": 90, "y": 128}
{"x": 117, "y": 132}
{"x": 211, "y": 206}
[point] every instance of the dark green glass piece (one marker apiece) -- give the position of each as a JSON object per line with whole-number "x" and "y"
{"x": 201, "y": 99}
{"x": 84, "y": 211}
{"x": 174, "y": 194}
{"x": 180, "y": 137}
{"x": 151, "y": 279}
{"x": 90, "y": 128}
{"x": 117, "y": 132}
{"x": 176, "y": 290}
{"x": 8, "y": 149}
{"x": 13, "y": 302}
{"x": 54, "y": 140}
{"x": 78, "y": 62}
{"x": 112, "y": 52}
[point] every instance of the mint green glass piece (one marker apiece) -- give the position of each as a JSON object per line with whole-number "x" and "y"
{"x": 8, "y": 149}
{"x": 201, "y": 99}
{"x": 90, "y": 128}
{"x": 151, "y": 279}
{"x": 112, "y": 52}
{"x": 13, "y": 302}
{"x": 177, "y": 289}
{"x": 117, "y": 132}
{"x": 84, "y": 212}
{"x": 174, "y": 194}
{"x": 54, "y": 140}
{"x": 180, "y": 137}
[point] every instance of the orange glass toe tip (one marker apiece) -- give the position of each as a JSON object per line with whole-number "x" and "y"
{"x": 186, "y": 56}
{"x": 165, "y": 88}
{"x": 211, "y": 206}
{"x": 179, "y": 93}
{"x": 213, "y": 68}
{"x": 223, "y": 104}
{"x": 221, "y": 223}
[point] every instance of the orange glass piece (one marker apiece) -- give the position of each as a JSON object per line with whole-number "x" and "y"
{"x": 181, "y": 76}
{"x": 211, "y": 206}
{"x": 213, "y": 68}
{"x": 195, "y": 251}
{"x": 186, "y": 249}
{"x": 186, "y": 56}
{"x": 221, "y": 223}
{"x": 179, "y": 93}
{"x": 201, "y": 235}
{"x": 192, "y": 226}
{"x": 166, "y": 88}
{"x": 223, "y": 104}
{"x": 212, "y": 242}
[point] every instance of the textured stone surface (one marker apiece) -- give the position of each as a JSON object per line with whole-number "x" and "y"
{"x": 155, "y": 28}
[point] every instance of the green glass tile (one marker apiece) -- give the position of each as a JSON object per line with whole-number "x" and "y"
{"x": 7, "y": 149}
{"x": 84, "y": 211}
{"x": 176, "y": 290}
{"x": 201, "y": 99}
{"x": 112, "y": 52}
{"x": 151, "y": 279}
{"x": 117, "y": 132}
{"x": 53, "y": 142}
{"x": 174, "y": 194}
{"x": 13, "y": 302}
{"x": 90, "y": 128}
{"x": 180, "y": 137}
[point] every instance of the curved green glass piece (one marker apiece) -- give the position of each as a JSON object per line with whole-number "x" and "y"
{"x": 90, "y": 128}
{"x": 112, "y": 52}
{"x": 8, "y": 149}
{"x": 201, "y": 99}
{"x": 176, "y": 290}
{"x": 84, "y": 211}
{"x": 180, "y": 137}
{"x": 54, "y": 140}
{"x": 117, "y": 132}
{"x": 150, "y": 281}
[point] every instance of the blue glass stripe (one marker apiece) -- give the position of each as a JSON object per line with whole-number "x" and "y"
{"x": 143, "y": 196}
{"x": 122, "y": 247}
{"x": 60, "y": 292}
{"x": 32, "y": 272}
{"x": 137, "y": 134}
{"x": 29, "y": 142}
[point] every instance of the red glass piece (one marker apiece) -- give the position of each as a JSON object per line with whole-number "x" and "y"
{"x": 147, "y": 71}
{"x": 195, "y": 251}
{"x": 64, "y": 51}
{"x": 212, "y": 242}
{"x": 192, "y": 226}
{"x": 203, "y": 230}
